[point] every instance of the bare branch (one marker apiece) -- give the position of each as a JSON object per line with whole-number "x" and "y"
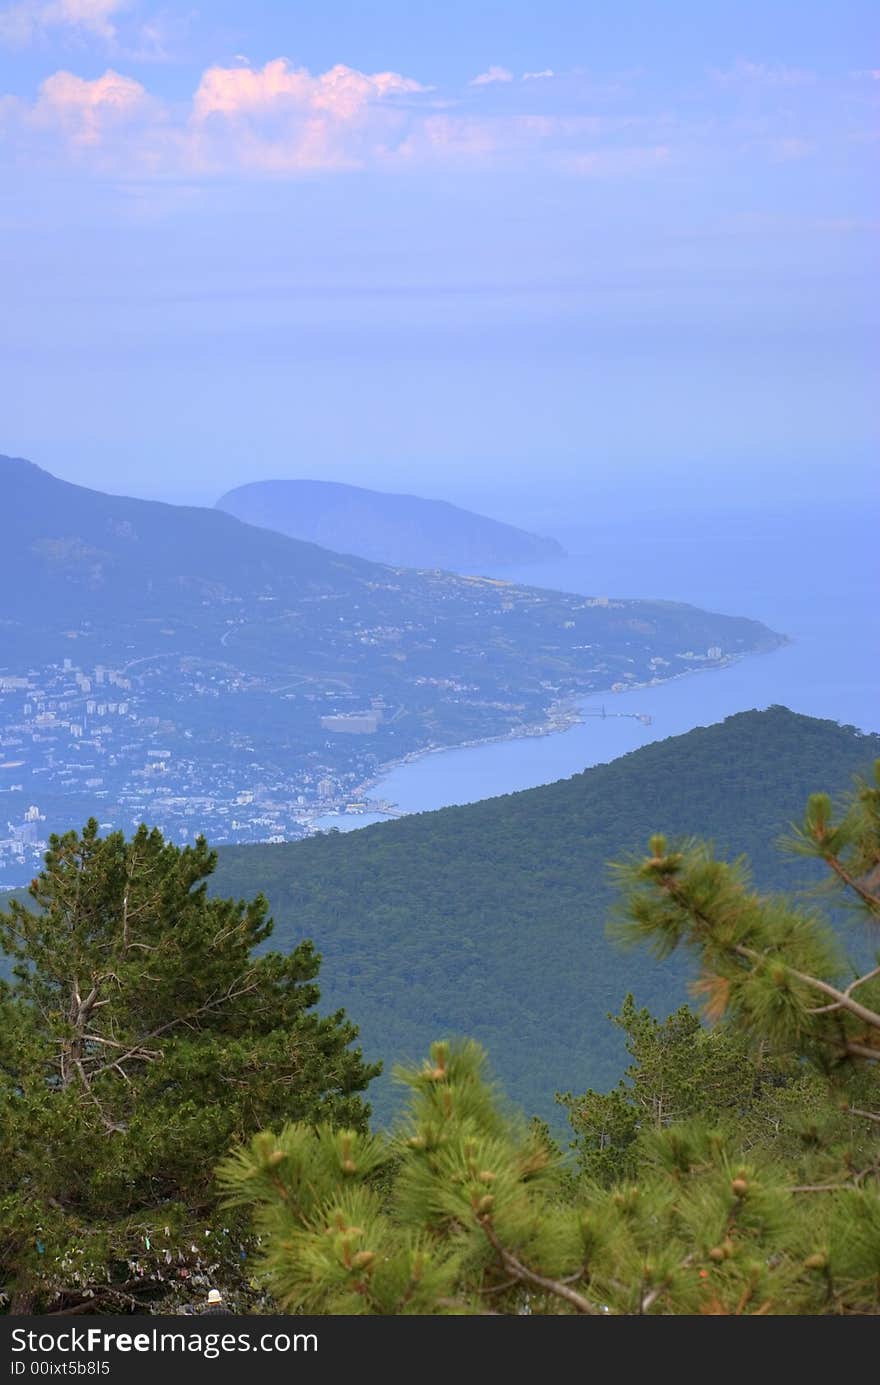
{"x": 868, "y": 1115}
{"x": 108, "y": 1124}
{"x": 859, "y": 981}
{"x": 824, "y": 1187}
{"x": 499, "y": 1288}
{"x": 207, "y": 1008}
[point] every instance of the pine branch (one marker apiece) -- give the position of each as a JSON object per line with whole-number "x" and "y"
{"x": 851, "y": 883}
{"x": 845, "y": 1001}
{"x": 518, "y": 1270}
{"x": 651, "y": 1298}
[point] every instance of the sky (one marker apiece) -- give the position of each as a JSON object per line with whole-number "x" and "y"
{"x": 474, "y": 250}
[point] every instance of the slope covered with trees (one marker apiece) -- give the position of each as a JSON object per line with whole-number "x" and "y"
{"x": 146, "y": 1028}
{"x": 759, "y": 1195}
{"x": 489, "y": 920}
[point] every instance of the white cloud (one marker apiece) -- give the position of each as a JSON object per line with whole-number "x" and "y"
{"x": 744, "y": 73}
{"x": 538, "y": 76}
{"x": 25, "y": 21}
{"x": 493, "y": 74}
{"x": 570, "y": 143}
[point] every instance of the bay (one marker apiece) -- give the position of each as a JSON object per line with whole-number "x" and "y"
{"x": 807, "y": 568}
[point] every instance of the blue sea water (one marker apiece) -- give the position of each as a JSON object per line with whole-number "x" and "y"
{"x": 808, "y": 569}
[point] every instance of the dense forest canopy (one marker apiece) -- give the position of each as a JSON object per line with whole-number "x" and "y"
{"x": 488, "y": 920}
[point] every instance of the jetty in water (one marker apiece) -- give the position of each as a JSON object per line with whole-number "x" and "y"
{"x": 644, "y": 717}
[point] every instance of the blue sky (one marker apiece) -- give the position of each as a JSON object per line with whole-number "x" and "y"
{"x": 462, "y": 249}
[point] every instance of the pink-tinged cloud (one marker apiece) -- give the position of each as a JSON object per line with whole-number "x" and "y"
{"x": 343, "y": 92}
{"x": 279, "y": 119}
{"x": 538, "y": 76}
{"x": 86, "y": 110}
{"x": 492, "y": 74}
{"x": 23, "y": 22}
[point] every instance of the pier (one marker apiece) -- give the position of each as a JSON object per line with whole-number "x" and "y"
{"x": 644, "y": 717}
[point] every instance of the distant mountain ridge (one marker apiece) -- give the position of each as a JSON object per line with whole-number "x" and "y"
{"x": 123, "y": 574}
{"x": 174, "y": 665}
{"x": 385, "y": 527}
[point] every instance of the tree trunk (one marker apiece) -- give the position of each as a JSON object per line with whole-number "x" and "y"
{"x": 23, "y": 1301}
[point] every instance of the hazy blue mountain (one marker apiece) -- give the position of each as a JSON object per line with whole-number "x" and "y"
{"x": 111, "y": 569}
{"x": 404, "y": 530}
{"x": 174, "y": 664}
{"x": 489, "y": 919}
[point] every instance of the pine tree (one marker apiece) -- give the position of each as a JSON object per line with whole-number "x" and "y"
{"x": 776, "y": 969}
{"x": 772, "y": 1209}
{"x": 139, "y": 1037}
{"x": 679, "y": 1070}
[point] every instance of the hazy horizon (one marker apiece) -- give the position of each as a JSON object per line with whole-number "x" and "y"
{"x": 462, "y": 253}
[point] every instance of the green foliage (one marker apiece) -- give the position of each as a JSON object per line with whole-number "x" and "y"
{"x": 480, "y": 1217}
{"x": 777, "y": 970}
{"x": 763, "y": 1100}
{"x": 336, "y": 1243}
{"x": 848, "y": 846}
{"x": 489, "y": 919}
{"x": 734, "y": 1172}
{"x": 139, "y": 1037}
{"x": 680, "y": 1070}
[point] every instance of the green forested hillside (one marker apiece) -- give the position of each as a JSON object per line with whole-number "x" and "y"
{"x": 489, "y": 919}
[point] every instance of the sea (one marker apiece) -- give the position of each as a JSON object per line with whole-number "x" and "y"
{"x": 807, "y": 567}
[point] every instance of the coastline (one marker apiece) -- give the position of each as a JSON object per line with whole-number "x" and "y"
{"x": 561, "y": 716}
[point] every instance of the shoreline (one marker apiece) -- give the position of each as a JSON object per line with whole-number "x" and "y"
{"x": 570, "y": 714}
{"x": 561, "y": 715}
